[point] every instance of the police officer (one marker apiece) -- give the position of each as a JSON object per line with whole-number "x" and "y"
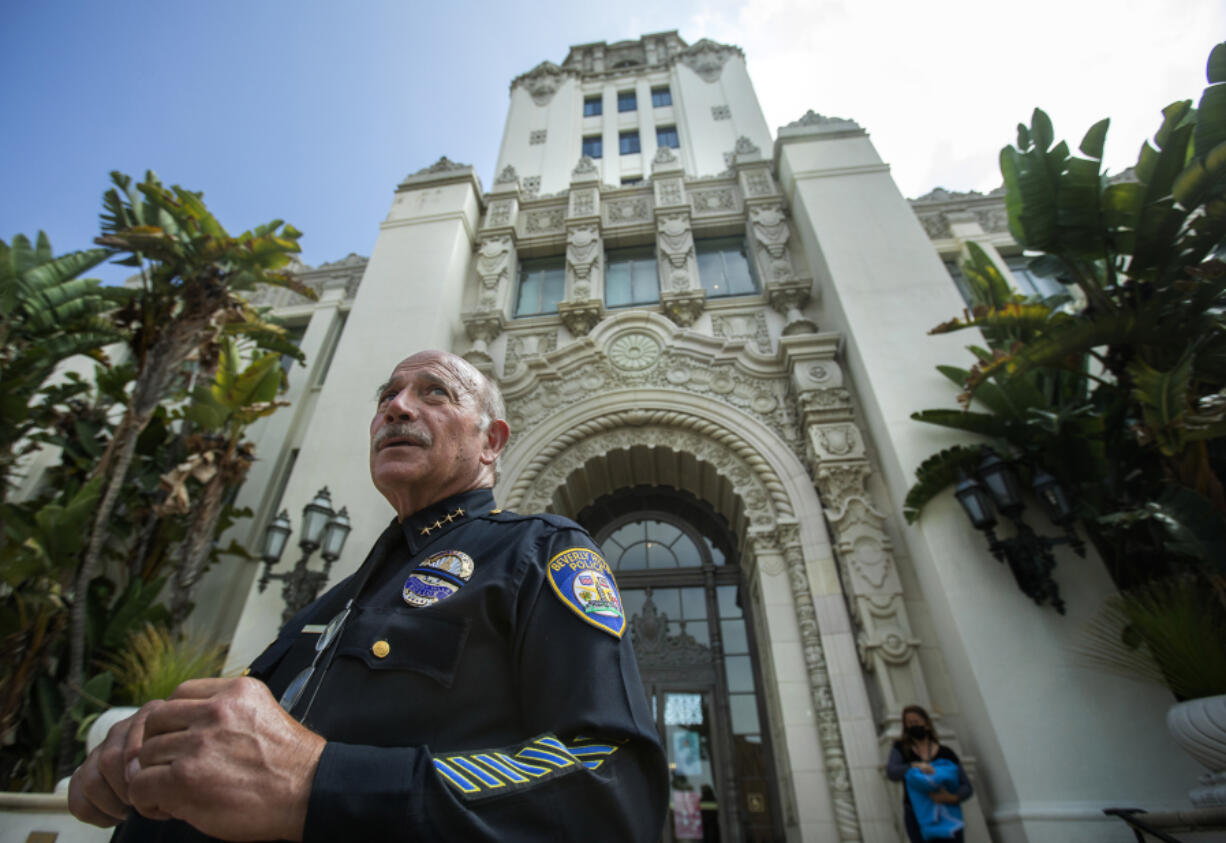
{"x": 471, "y": 681}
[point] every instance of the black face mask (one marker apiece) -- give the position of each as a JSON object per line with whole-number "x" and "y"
{"x": 917, "y": 733}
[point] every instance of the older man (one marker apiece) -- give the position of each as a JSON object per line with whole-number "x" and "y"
{"x": 471, "y": 681}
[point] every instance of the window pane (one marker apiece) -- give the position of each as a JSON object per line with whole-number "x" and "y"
{"x": 645, "y": 280}
{"x": 659, "y": 556}
{"x": 541, "y": 285}
{"x": 592, "y": 106}
{"x": 593, "y": 146}
{"x": 658, "y": 531}
{"x": 744, "y": 714}
{"x": 668, "y": 601}
{"x": 529, "y": 294}
{"x": 735, "y": 640}
{"x": 617, "y": 283}
{"x": 629, "y": 142}
{"x": 739, "y": 672}
{"x": 717, "y": 555}
{"x": 711, "y": 273}
{"x": 727, "y": 601}
{"x": 635, "y": 558}
{"x": 632, "y": 601}
{"x": 736, "y": 268}
{"x": 661, "y": 97}
{"x": 723, "y": 269}
{"x": 695, "y": 629}
{"x": 626, "y": 101}
{"x": 693, "y": 603}
{"x": 667, "y": 136}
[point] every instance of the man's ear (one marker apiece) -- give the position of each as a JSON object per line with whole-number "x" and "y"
{"x": 496, "y": 437}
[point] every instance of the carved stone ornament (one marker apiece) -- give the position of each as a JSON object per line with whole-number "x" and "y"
{"x": 634, "y": 352}
{"x": 585, "y": 167}
{"x": 669, "y": 192}
{"x": 676, "y": 243}
{"x": 442, "y": 165}
{"x": 618, "y": 211}
{"x": 713, "y": 201}
{"x": 580, "y": 317}
{"x": 483, "y": 328}
{"x": 544, "y": 221}
{"x": 788, "y": 297}
{"x": 664, "y": 155}
{"x": 508, "y": 175}
{"x": 770, "y": 230}
{"x": 744, "y": 146}
{"x": 758, "y": 183}
{"x": 493, "y": 259}
{"x": 683, "y": 307}
{"x": 721, "y": 112}
{"x": 707, "y": 59}
{"x": 583, "y": 203}
{"x": 542, "y": 82}
{"x": 812, "y": 118}
{"x": 748, "y": 326}
{"x": 582, "y": 250}
{"x": 500, "y": 213}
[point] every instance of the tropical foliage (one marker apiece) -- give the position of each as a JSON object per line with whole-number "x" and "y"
{"x": 150, "y": 452}
{"x": 1118, "y": 388}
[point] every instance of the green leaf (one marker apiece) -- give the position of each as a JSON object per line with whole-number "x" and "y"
{"x": 1041, "y": 130}
{"x": 1092, "y": 143}
{"x": 937, "y": 473}
{"x": 1163, "y": 397}
{"x": 985, "y": 424}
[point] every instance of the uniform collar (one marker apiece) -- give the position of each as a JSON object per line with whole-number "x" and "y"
{"x": 424, "y": 526}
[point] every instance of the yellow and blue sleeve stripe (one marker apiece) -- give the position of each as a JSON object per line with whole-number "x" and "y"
{"x": 483, "y": 773}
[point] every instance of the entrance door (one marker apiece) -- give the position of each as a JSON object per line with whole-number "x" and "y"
{"x": 694, "y": 651}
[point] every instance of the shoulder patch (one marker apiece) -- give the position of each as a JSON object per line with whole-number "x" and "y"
{"x": 584, "y": 582}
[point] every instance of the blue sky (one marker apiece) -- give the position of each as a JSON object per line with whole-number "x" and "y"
{"x": 313, "y": 111}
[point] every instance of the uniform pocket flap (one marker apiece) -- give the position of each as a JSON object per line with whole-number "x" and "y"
{"x": 399, "y": 639}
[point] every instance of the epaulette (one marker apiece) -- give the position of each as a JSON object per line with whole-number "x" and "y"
{"x": 507, "y": 516}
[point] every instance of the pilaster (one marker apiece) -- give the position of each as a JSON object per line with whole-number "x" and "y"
{"x": 682, "y": 298}
{"x": 583, "y": 306}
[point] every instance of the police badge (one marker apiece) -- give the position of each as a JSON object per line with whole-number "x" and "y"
{"x": 437, "y": 577}
{"x": 584, "y": 582}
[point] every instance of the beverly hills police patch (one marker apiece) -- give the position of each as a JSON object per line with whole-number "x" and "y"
{"x": 584, "y": 582}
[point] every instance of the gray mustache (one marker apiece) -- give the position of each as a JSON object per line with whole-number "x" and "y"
{"x": 403, "y": 430}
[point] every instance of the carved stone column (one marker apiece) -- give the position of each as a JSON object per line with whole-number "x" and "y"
{"x": 838, "y": 462}
{"x": 583, "y": 306}
{"x": 495, "y": 265}
{"x": 682, "y": 298}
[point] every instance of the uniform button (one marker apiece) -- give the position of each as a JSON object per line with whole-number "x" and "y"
{"x": 380, "y": 649}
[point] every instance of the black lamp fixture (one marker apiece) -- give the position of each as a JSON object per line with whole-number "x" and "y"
{"x": 321, "y": 527}
{"x": 1028, "y": 555}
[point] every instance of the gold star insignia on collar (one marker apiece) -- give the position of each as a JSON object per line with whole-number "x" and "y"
{"x": 425, "y": 531}
{"x": 458, "y": 511}
{"x": 438, "y": 522}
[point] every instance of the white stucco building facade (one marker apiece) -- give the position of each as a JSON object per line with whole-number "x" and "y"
{"x": 716, "y": 335}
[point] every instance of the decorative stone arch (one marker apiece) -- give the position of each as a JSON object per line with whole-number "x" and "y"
{"x": 753, "y": 477}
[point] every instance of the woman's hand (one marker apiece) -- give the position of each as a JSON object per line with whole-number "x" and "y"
{"x": 924, "y": 767}
{"x": 944, "y": 797}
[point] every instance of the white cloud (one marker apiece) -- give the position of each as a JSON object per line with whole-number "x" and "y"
{"x": 941, "y": 86}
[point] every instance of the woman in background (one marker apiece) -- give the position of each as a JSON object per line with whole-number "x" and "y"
{"x": 918, "y": 747}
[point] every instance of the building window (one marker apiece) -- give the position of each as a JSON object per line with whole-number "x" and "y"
{"x": 667, "y": 136}
{"x": 593, "y": 146}
{"x": 629, "y": 180}
{"x": 631, "y": 277}
{"x": 628, "y": 143}
{"x": 542, "y": 283}
{"x": 626, "y": 101}
{"x": 1028, "y": 283}
{"x": 593, "y": 106}
{"x": 723, "y": 267}
{"x": 661, "y": 97}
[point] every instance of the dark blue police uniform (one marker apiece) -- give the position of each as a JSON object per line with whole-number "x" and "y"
{"x": 482, "y": 688}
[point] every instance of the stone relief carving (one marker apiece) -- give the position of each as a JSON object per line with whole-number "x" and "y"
{"x": 664, "y": 155}
{"x": 683, "y": 307}
{"x": 634, "y": 352}
{"x": 542, "y": 82}
{"x": 582, "y": 252}
{"x": 770, "y": 230}
{"x": 812, "y": 118}
{"x": 637, "y": 209}
{"x": 744, "y": 146}
{"x": 936, "y": 226}
{"x": 580, "y": 317}
{"x": 544, "y": 221}
{"x": 508, "y": 174}
{"x": 713, "y": 201}
{"x": 992, "y": 220}
{"x": 758, "y": 183}
{"x": 493, "y": 259}
{"x": 442, "y": 165}
{"x": 707, "y": 59}
{"x": 500, "y": 213}
{"x": 537, "y": 137}
{"x": 525, "y": 345}
{"x": 676, "y": 244}
{"x": 654, "y": 647}
{"x": 670, "y": 192}
{"x": 583, "y": 202}
{"x": 585, "y": 167}
{"x": 531, "y": 185}
{"x": 721, "y": 112}
{"x": 751, "y": 326}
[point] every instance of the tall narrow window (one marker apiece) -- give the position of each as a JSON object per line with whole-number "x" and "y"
{"x": 667, "y": 136}
{"x": 723, "y": 267}
{"x": 593, "y": 106}
{"x": 626, "y": 101}
{"x": 542, "y": 283}
{"x": 628, "y": 143}
{"x": 593, "y": 146}
{"x": 631, "y": 277}
{"x": 661, "y": 97}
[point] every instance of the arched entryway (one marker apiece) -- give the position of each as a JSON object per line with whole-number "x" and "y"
{"x": 675, "y": 564}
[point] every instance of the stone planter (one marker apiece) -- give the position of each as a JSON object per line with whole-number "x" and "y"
{"x": 1199, "y": 726}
